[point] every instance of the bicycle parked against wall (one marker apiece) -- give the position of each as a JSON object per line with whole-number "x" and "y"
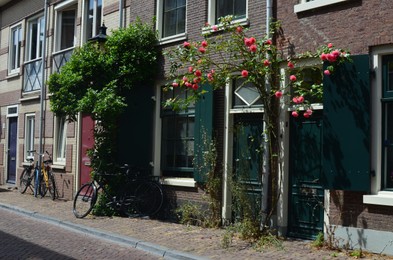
{"x": 137, "y": 196}
{"x": 39, "y": 179}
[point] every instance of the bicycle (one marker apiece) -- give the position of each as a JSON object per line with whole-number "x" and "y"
{"x": 43, "y": 183}
{"x": 138, "y": 196}
{"x": 27, "y": 178}
{"x": 47, "y": 181}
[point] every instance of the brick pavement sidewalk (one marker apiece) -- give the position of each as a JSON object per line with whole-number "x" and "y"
{"x": 192, "y": 240}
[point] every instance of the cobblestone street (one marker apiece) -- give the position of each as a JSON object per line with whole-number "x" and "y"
{"x": 173, "y": 238}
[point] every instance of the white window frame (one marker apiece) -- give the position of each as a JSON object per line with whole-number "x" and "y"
{"x": 39, "y": 20}
{"x": 160, "y": 24}
{"x": 305, "y": 5}
{"x": 85, "y": 19}
{"x": 378, "y": 196}
{"x": 14, "y": 57}
{"x": 211, "y": 16}
{"x": 12, "y": 114}
{"x": 64, "y": 6}
{"x": 29, "y": 135}
{"x": 60, "y": 140}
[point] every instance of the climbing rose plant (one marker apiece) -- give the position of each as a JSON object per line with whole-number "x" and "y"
{"x": 227, "y": 54}
{"x": 221, "y": 58}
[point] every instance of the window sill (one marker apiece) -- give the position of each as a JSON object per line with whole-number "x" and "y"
{"x": 315, "y": 4}
{"x": 29, "y": 98}
{"x": 174, "y": 38}
{"x": 58, "y": 166}
{"x": 242, "y": 22}
{"x": 183, "y": 182}
{"x": 13, "y": 75}
{"x": 384, "y": 198}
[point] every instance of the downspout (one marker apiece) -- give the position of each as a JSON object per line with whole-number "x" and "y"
{"x": 121, "y": 4}
{"x": 42, "y": 93}
{"x": 266, "y": 158}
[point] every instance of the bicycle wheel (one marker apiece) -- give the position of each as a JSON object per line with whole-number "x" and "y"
{"x": 25, "y": 180}
{"x": 149, "y": 198}
{"x": 43, "y": 187}
{"x": 50, "y": 186}
{"x": 84, "y": 200}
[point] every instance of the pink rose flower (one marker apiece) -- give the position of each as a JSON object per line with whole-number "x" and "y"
{"x": 247, "y": 42}
{"x": 186, "y": 45}
{"x": 202, "y": 50}
{"x": 326, "y": 72}
{"x": 204, "y": 44}
{"x": 300, "y": 99}
{"x": 331, "y": 58}
{"x": 239, "y": 29}
{"x": 175, "y": 84}
{"x": 198, "y": 73}
{"x": 290, "y": 65}
{"x": 278, "y": 94}
{"x": 292, "y": 78}
{"x": 336, "y": 53}
{"x": 295, "y": 114}
{"x": 210, "y": 76}
{"x": 194, "y": 86}
{"x": 253, "y": 48}
{"x": 190, "y": 69}
{"x": 268, "y": 42}
{"x": 306, "y": 115}
{"x": 266, "y": 63}
{"x": 244, "y": 73}
{"x": 330, "y": 45}
{"x": 323, "y": 56}
{"x": 185, "y": 79}
{"x": 215, "y": 28}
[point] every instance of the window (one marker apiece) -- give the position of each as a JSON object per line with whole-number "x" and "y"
{"x": 174, "y": 16}
{"x": 60, "y": 140}
{"x": 171, "y": 20}
{"x": 221, "y": 8}
{"x": 35, "y": 38}
{"x": 387, "y": 122}
{"x": 92, "y": 18}
{"x": 65, "y": 35}
{"x": 177, "y": 153}
{"x": 33, "y": 65}
{"x": 305, "y": 5}
{"x": 245, "y": 94}
{"x": 29, "y": 135}
{"x": 15, "y": 49}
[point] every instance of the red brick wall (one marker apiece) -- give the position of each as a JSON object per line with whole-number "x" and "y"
{"x": 347, "y": 209}
{"x": 355, "y": 25}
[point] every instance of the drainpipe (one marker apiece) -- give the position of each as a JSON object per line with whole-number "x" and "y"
{"x": 266, "y": 160}
{"x": 121, "y": 4}
{"x": 42, "y": 93}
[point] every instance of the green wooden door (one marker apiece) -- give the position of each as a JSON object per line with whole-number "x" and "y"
{"x": 306, "y": 195}
{"x": 248, "y": 154}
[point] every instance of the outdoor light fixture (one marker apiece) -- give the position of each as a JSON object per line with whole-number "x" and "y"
{"x": 101, "y": 36}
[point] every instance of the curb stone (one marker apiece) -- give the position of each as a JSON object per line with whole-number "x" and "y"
{"x": 151, "y": 248}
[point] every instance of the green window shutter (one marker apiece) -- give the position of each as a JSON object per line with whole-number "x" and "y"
{"x": 203, "y": 132}
{"x": 346, "y": 121}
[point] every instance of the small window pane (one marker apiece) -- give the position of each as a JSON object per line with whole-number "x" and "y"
{"x": 388, "y": 145}
{"x": 67, "y": 29}
{"x": 174, "y": 17}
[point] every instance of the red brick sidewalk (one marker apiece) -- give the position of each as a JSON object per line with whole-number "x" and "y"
{"x": 193, "y": 240}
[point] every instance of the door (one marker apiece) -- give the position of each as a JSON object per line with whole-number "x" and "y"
{"x": 306, "y": 195}
{"x": 87, "y": 142}
{"x": 248, "y": 154}
{"x": 11, "y": 155}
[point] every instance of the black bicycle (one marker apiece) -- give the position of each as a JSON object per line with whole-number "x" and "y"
{"x": 136, "y": 196}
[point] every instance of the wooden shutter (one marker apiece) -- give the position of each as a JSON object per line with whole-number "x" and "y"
{"x": 203, "y": 133}
{"x": 346, "y": 121}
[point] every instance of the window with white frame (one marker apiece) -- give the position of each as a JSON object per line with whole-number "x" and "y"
{"x": 60, "y": 140}
{"x": 93, "y": 13}
{"x": 171, "y": 18}
{"x": 66, "y": 27}
{"x": 177, "y": 149}
{"x": 32, "y": 75}
{"x": 221, "y": 8}
{"x": 35, "y": 38}
{"x": 305, "y": 5}
{"x": 387, "y": 122}
{"x": 29, "y": 135}
{"x": 15, "y": 49}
